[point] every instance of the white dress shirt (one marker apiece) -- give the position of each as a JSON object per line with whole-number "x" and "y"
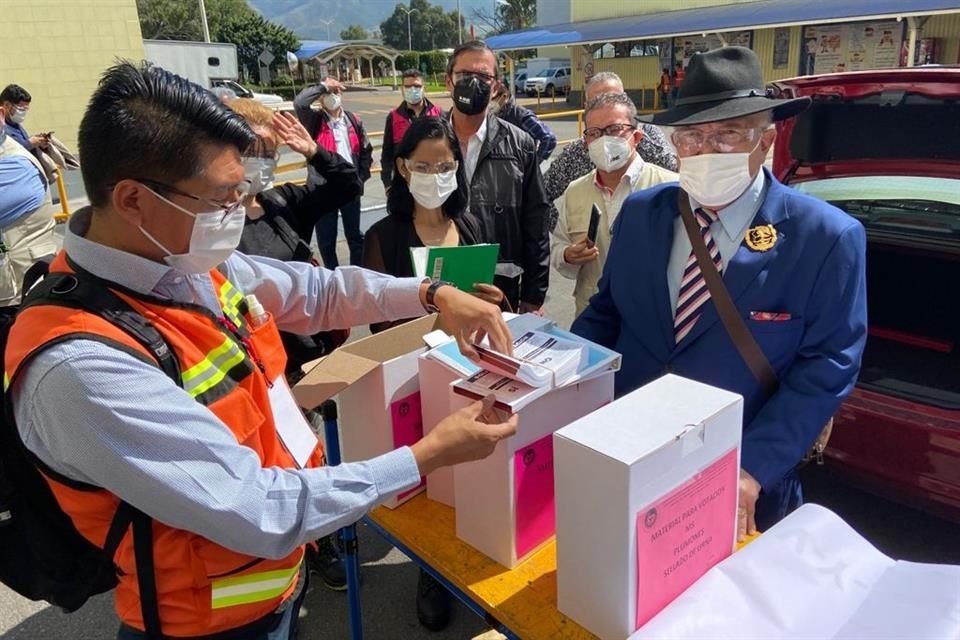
{"x": 473, "y": 151}
{"x": 341, "y": 134}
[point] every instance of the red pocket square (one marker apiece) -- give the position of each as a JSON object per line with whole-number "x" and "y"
{"x": 767, "y": 316}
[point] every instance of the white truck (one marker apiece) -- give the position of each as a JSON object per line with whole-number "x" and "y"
{"x": 209, "y": 64}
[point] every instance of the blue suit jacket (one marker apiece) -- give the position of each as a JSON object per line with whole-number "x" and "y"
{"x": 814, "y": 272}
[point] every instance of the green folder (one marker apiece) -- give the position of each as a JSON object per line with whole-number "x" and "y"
{"x": 461, "y": 266}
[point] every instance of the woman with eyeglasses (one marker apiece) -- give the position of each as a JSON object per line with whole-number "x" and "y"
{"x": 425, "y": 205}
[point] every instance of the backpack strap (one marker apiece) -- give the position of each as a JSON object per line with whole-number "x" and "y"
{"x": 80, "y": 291}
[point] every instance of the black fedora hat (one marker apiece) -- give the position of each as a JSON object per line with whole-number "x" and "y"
{"x": 723, "y": 84}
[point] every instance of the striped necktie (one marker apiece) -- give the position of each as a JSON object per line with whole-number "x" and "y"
{"x": 694, "y": 293}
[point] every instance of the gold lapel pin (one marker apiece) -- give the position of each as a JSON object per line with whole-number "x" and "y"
{"x": 761, "y": 238}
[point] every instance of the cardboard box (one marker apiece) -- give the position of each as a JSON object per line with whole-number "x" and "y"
{"x": 505, "y": 502}
{"x": 438, "y": 376}
{"x": 646, "y": 492}
{"x": 378, "y": 388}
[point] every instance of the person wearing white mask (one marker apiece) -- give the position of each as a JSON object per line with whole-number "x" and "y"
{"x": 198, "y": 431}
{"x": 415, "y": 105}
{"x": 425, "y": 206}
{"x": 339, "y": 131}
{"x": 612, "y": 138}
{"x": 791, "y": 266}
{"x": 15, "y": 102}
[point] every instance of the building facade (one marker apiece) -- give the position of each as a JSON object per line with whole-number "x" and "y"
{"x": 789, "y": 36}
{"x": 57, "y": 50}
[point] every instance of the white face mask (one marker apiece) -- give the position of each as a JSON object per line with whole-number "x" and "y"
{"x": 610, "y": 153}
{"x": 413, "y": 95}
{"x": 331, "y": 101}
{"x": 431, "y": 190}
{"x": 212, "y": 240}
{"x": 18, "y": 115}
{"x": 716, "y": 179}
{"x": 259, "y": 171}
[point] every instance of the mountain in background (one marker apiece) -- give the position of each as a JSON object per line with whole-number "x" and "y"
{"x": 303, "y": 16}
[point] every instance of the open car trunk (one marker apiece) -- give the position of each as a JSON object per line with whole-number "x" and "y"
{"x": 883, "y": 146}
{"x": 912, "y": 349}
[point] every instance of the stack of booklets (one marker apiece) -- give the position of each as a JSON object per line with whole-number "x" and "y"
{"x": 545, "y": 357}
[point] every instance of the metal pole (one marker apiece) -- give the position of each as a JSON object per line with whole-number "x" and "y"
{"x": 459, "y": 24}
{"x": 911, "y": 41}
{"x": 348, "y": 535}
{"x": 409, "y": 37}
{"x": 327, "y": 23}
{"x": 203, "y": 21}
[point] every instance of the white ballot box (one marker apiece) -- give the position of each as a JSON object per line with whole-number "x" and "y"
{"x": 378, "y": 394}
{"x": 646, "y": 498}
{"x": 812, "y": 576}
{"x": 505, "y": 503}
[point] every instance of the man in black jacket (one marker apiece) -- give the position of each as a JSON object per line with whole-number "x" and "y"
{"x": 506, "y": 188}
{"x": 338, "y": 131}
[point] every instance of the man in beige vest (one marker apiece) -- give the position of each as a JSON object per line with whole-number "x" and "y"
{"x": 27, "y": 239}
{"x": 612, "y": 137}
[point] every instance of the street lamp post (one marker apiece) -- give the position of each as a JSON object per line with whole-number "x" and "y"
{"x": 409, "y": 36}
{"x": 459, "y": 24}
{"x": 203, "y": 22}
{"x": 327, "y": 23}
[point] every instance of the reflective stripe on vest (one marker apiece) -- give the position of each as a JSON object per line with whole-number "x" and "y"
{"x": 213, "y": 369}
{"x": 230, "y": 300}
{"x": 253, "y": 587}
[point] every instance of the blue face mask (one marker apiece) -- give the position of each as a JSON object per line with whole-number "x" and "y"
{"x": 413, "y": 95}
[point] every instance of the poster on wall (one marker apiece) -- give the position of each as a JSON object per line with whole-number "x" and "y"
{"x": 836, "y": 48}
{"x": 781, "y": 47}
{"x": 684, "y": 47}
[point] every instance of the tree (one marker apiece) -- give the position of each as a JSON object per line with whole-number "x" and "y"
{"x": 430, "y": 27}
{"x": 169, "y": 20}
{"x": 354, "y": 32}
{"x": 511, "y": 15}
{"x": 229, "y": 21}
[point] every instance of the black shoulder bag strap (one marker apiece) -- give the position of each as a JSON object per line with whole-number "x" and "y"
{"x": 736, "y": 328}
{"x": 91, "y": 294}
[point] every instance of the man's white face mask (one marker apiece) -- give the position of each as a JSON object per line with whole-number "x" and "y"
{"x": 215, "y": 236}
{"x": 260, "y": 172}
{"x": 716, "y": 179}
{"x": 610, "y": 153}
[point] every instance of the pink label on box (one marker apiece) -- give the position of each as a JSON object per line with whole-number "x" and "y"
{"x": 533, "y": 494}
{"x": 407, "y": 420}
{"x": 685, "y": 533}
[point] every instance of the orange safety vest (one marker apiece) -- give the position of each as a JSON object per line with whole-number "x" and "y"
{"x": 678, "y": 77}
{"x": 202, "y": 588}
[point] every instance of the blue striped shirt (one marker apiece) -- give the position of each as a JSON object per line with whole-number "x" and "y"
{"x": 528, "y": 121}
{"x": 101, "y": 416}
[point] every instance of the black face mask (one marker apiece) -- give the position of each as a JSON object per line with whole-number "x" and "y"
{"x": 470, "y": 96}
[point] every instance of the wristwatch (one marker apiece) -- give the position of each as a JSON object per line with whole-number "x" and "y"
{"x": 430, "y": 305}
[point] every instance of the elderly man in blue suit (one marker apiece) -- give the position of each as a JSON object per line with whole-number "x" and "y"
{"x": 793, "y": 266}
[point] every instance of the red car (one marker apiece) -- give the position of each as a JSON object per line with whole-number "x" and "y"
{"x": 884, "y": 146}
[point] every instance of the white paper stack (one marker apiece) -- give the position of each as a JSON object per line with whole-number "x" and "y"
{"x": 813, "y": 576}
